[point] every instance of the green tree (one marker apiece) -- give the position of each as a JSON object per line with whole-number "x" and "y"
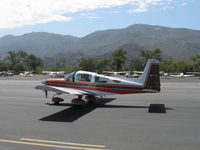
{"x": 167, "y": 66}
{"x": 88, "y": 64}
{"x": 95, "y": 65}
{"x": 196, "y": 62}
{"x": 33, "y": 62}
{"x": 151, "y": 54}
{"x": 21, "y": 61}
{"x": 136, "y": 64}
{"x": 12, "y": 58}
{"x": 175, "y": 66}
{"x": 21, "y": 56}
{"x": 180, "y": 66}
{"x": 103, "y": 64}
{"x": 3, "y": 66}
{"x": 119, "y": 58}
{"x": 20, "y": 67}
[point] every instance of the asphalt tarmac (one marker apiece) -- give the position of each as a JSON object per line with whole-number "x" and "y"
{"x": 27, "y": 122}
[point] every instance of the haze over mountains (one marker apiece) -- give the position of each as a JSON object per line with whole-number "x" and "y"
{"x": 176, "y": 43}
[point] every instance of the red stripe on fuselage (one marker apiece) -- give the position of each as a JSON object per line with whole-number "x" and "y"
{"x": 109, "y": 90}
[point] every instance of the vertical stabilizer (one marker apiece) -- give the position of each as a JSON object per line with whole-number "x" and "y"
{"x": 151, "y": 77}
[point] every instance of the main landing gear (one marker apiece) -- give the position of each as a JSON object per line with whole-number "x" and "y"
{"x": 79, "y": 100}
{"x": 89, "y": 99}
{"x": 76, "y": 101}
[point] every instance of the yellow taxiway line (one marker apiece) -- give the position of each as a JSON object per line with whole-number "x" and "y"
{"x": 64, "y": 143}
{"x": 49, "y": 145}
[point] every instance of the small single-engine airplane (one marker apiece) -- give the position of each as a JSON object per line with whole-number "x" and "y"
{"x": 181, "y": 75}
{"x": 94, "y": 86}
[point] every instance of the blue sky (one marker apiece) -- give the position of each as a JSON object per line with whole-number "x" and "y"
{"x": 82, "y": 17}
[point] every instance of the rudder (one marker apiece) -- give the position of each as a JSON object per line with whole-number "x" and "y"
{"x": 152, "y": 81}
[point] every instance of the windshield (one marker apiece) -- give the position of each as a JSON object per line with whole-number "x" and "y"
{"x": 70, "y": 76}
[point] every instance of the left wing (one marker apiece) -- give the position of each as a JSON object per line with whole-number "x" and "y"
{"x": 60, "y": 90}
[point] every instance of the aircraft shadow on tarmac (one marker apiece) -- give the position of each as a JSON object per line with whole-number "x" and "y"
{"x": 73, "y": 112}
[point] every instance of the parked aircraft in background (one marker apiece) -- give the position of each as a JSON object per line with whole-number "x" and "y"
{"x": 6, "y": 74}
{"x": 94, "y": 86}
{"x": 114, "y": 73}
{"x": 26, "y": 74}
{"x": 54, "y": 74}
{"x": 136, "y": 74}
{"x": 181, "y": 75}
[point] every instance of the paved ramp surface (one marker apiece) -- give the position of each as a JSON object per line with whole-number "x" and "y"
{"x": 27, "y": 122}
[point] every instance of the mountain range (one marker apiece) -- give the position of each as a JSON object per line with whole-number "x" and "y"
{"x": 176, "y": 43}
